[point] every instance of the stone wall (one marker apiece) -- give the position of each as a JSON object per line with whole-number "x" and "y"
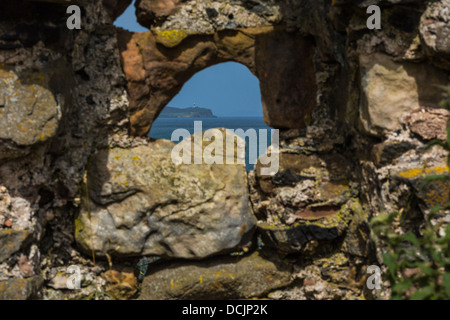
{"x": 82, "y": 185}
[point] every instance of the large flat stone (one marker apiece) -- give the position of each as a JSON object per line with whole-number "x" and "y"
{"x": 141, "y": 203}
{"x": 392, "y": 89}
{"x": 220, "y": 278}
{"x": 29, "y": 113}
{"x": 20, "y": 289}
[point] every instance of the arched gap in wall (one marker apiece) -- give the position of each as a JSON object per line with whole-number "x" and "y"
{"x": 232, "y": 94}
{"x": 128, "y": 20}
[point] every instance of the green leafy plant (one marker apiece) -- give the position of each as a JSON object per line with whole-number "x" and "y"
{"x": 445, "y": 103}
{"x": 418, "y": 266}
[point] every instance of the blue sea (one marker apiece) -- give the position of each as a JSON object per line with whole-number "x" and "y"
{"x": 163, "y": 127}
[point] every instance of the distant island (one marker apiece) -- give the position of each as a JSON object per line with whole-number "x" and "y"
{"x": 192, "y": 112}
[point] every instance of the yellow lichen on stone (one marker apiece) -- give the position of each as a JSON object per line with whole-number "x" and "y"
{"x": 437, "y": 193}
{"x": 433, "y": 193}
{"x": 135, "y": 159}
{"x": 170, "y": 38}
{"x": 421, "y": 172}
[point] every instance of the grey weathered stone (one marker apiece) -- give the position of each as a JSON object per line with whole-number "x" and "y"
{"x": 12, "y": 241}
{"x": 385, "y": 152}
{"x": 295, "y": 47}
{"x": 206, "y": 16}
{"x": 29, "y": 113}
{"x": 289, "y": 239}
{"x": 141, "y": 203}
{"x": 64, "y": 89}
{"x": 222, "y": 278}
{"x": 435, "y": 32}
{"x": 293, "y": 238}
{"x": 21, "y": 289}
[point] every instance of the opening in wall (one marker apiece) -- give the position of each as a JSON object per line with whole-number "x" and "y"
{"x": 225, "y": 95}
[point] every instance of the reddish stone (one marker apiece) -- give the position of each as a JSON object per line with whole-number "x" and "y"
{"x": 150, "y": 12}
{"x": 429, "y": 123}
{"x": 285, "y": 68}
{"x": 309, "y": 282}
{"x": 158, "y": 63}
{"x": 24, "y": 266}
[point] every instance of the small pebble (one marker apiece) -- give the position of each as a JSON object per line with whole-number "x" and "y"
{"x": 8, "y": 223}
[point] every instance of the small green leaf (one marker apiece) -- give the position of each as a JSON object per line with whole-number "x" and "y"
{"x": 426, "y": 269}
{"x": 384, "y": 219}
{"x": 436, "y": 256}
{"x": 410, "y": 237}
{"x": 436, "y": 209}
{"x": 423, "y": 293}
{"x": 434, "y": 143}
{"x": 390, "y": 260}
{"x": 446, "y": 283}
{"x": 401, "y": 287}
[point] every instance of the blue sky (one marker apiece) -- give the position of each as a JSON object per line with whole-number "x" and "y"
{"x": 228, "y": 89}
{"x": 128, "y": 20}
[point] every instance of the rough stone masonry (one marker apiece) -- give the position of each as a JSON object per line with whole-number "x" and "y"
{"x": 82, "y": 185}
